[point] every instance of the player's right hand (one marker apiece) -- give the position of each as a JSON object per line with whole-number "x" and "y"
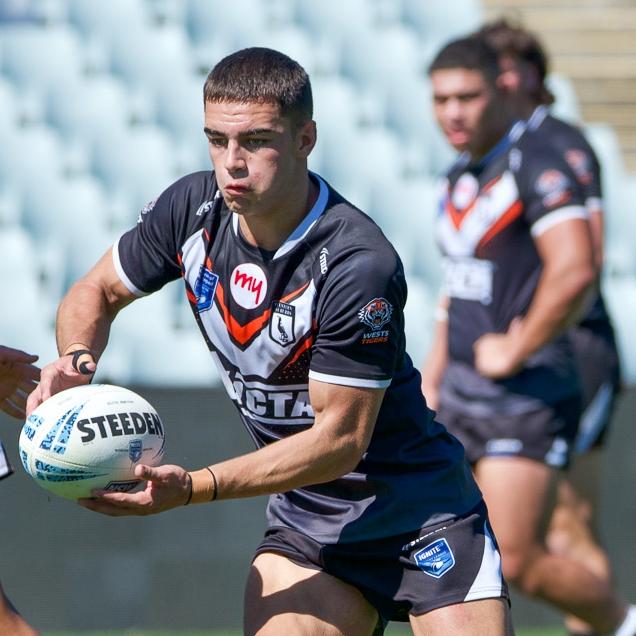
{"x": 64, "y": 373}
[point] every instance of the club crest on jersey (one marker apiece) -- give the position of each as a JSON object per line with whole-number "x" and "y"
{"x": 204, "y": 288}
{"x": 281, "y": 324}
{"x": 248, "y": 285}
{"x": 465, "y": 191}
{"x": 553, "y": 187}
{"x": 579, "y": 161}
{"x": 376, "y": 313}
{"x": 435, "y": 559}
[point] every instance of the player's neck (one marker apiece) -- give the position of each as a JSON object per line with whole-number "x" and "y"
{"x": 270, "y": 229}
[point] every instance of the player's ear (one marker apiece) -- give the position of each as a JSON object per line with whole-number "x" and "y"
{"x": 509, "y": 81}
{"x": 306, "y": 137}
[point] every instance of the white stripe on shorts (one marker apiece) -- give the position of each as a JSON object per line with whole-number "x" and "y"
{"x": 489, "y": 581}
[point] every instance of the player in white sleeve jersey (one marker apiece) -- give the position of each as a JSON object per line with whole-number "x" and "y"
{"x": 512, "y": 226}
{"x": 18, "y": 375}
{"x": 573, "y": 529}
{"x": 373, "y": 512}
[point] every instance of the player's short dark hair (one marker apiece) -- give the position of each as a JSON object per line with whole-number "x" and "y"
{"x": 262, "y": 75}
{"x": 511, "y": 39}
{"x": 471, "y": 53}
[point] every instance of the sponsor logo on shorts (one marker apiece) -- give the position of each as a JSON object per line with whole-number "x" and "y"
{"x": 204, "y": 288}
{"x": 504, "y": 446}
{"x": 558, "y": 454}
{"x": 248, "y": 285}
{"x": 281, "y": 325}
{"x": 435, "y": 559}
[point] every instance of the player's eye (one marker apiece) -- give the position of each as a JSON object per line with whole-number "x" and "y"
{"x": 255, "y": 144}
{"x": 217, "y": 142}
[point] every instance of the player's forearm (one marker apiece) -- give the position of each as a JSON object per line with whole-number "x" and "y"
{"x": 556, "y": 305}
{"x": 84, "y": 318}
{"x": 309, "y": 457}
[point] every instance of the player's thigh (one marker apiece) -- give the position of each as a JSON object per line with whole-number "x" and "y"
{"x": 520, "y": 495}
{"x": 488, "y": 617}
{"x": 282, "y": 597}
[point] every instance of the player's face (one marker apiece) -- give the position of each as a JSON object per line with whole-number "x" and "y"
{"x": 463, "y": 102}
{"x": 259, "y": 156}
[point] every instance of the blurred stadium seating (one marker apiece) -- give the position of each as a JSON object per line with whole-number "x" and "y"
{"x": 101, "y": 109}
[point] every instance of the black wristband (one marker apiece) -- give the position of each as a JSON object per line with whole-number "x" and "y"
{"x": 216, "y": 486}
{"x": 82, "y": 368}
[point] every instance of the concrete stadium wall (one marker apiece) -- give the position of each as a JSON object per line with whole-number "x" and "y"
{"x": 68, "y": 568}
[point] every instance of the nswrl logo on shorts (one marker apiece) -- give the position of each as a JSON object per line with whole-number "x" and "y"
{"x": 435, "y": 559}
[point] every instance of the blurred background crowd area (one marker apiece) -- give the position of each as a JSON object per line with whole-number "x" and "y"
{"x": 101, "y": 109}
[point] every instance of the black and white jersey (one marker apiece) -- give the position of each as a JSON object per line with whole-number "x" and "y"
{"x": 570, "y": 142}
{"x": 327, "y": 305}
{"x": 491, "y": 212}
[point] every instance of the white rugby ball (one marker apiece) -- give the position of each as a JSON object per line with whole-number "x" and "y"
{"x": 91, "y": 437}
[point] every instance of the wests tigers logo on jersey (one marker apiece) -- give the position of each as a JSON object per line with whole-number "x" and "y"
{"x": 376, "y": 313}
{"x": 580, "y": 163}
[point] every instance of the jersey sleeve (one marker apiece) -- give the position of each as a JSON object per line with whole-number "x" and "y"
{"x": 146, "y": 257}
{"x": 550, "y": 191}
{"x": 360, "y": 321}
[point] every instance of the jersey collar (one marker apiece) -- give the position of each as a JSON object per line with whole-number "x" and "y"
{"x": 304, "y": 227}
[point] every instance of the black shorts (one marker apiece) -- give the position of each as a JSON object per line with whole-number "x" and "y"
{"x": 412, "y": 573}
{"x": 545, "y": 434}
{"x": 599, "y": 372}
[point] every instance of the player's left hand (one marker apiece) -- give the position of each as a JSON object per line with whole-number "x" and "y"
{"x": 166, "y": 487}
{"x": 496, "y": 354}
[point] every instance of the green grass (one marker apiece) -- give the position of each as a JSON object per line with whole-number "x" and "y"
{"x": 391, "y": 631}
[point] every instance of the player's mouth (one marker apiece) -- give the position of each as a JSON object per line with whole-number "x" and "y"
{"x": 235, "y": 190}
{"x": 457, "y": 137}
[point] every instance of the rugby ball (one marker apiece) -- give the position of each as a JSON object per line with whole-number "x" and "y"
{"x": 90, "y": 437}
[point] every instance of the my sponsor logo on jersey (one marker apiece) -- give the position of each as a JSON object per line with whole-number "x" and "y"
{"x": 276, "y": 405}
{"x": 580, "y": 163}
{"x": 435, "y": 559}
{"x": 147, "y": 208}
{"x": 116, "y": 424}
{"x": 204, "y": 207}
{"x": 248, "y": 285}
{"x": 324, "y": 252}
{"x": 281, "y": 325}
{"x": 204, "y": 288}
{"x": 553, "y": 187}
{"x": 465, "y": 191}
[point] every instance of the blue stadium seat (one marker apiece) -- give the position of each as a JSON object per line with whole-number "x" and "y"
{"x": 8, "y": 107}
{"x": 27, "y": 154}
{"x": 419, "y": 318}
{"x": 620, "y": 295}
{"x": 152, "y": 56}
{"x": 25, "y": 321}
{"x": 137, "y": 161}
{"x": 336, "y": 19}
{"x": 103, "y": 20}
{"x": 90, "y": 108}
{"x": 566, "y": 104}
{"x": 39, "y": 58}
{"x": 442, "y": 21}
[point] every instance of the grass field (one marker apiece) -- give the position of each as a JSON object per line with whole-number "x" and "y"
{"x": 391, "y": 631}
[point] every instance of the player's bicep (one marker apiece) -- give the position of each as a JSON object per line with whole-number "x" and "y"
{"x": 566, "y": 244}
{"x": 347, "y": 414}
{"x": 104, "y": 277}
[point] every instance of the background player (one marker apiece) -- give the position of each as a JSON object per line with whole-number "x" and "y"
{"x": 18, "y": 376}
{"x": 524, "y": 66}
{"x": 300, "y": 299}
{"x": 519, "y": 263}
